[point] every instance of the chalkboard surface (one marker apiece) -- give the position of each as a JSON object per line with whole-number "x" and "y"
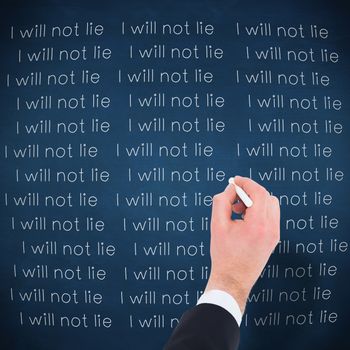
{"x": 121, "y": 120}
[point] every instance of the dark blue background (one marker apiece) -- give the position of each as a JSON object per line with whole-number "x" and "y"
{"x": 222, "y": 14}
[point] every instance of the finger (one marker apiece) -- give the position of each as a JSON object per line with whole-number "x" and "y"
{"x": 257, "y": 193}
{"x": 238, "y": 207}
{"x": 249, "y": 186}
{"x": 222, "y": 204}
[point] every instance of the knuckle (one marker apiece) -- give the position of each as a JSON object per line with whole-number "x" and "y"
{"x": 275, "y": 200}
{"x": 261, "y": 191}
{"x": 217, "y": 197}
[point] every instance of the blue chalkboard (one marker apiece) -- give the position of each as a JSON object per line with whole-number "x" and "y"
{"x": 120, "y": 121}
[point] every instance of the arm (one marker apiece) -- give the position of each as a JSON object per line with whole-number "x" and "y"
{"x": 239, "y": 250}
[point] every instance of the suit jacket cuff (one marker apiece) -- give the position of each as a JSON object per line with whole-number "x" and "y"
{"x": 224, "y": 300}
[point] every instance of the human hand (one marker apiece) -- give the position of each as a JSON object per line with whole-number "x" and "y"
{"x": 240, "y": 249}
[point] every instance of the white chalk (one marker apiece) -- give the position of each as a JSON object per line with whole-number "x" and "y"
{"x": 241, "y": 194}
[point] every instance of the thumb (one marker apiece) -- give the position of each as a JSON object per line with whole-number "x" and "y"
{"x": 222, "y": 204}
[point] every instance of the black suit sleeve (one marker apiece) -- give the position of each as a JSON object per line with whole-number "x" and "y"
{"x": 205, "y": 327}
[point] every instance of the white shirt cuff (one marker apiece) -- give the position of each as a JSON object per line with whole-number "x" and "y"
{"x": 223, "y": 299}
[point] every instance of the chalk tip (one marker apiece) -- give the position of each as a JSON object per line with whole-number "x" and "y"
{"x": 231, "y": 180}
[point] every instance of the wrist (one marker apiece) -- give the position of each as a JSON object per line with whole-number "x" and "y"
{"x": 230, "y": 286}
